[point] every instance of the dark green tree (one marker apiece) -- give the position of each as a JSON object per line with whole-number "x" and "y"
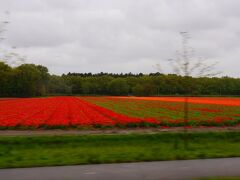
{"x": 118, "y": 87}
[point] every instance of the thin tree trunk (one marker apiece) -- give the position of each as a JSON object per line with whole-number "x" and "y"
{"x": 186, "y": 118}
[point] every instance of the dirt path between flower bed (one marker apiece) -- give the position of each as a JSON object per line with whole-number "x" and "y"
{"x": 57, "y": 132}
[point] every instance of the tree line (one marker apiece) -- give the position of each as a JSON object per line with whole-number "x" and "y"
{"x": 26, "y": 80}
{"x": 29, "y": 80}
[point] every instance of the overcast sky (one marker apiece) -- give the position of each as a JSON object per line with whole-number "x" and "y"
{"x": 122, "y": 35}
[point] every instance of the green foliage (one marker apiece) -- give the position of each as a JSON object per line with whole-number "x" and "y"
{"x": 150, "y": 85}
{"x": 88, "y": 149}
{"x": 57, "y": 85}
{"x": 118, "y": 86}
{"x": 34, "y": 80}
{"x": 23, "y": 81}
{"x": 5, "y": 72}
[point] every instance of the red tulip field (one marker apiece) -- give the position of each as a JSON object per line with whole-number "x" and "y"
{"x": 64, "y": 112}
{"x": 169, "y": 111}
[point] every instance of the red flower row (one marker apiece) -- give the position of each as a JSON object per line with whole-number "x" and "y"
{"x": 60, "y": 111}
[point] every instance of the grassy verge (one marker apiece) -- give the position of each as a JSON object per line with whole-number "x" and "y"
{"x": 88, "y": 149}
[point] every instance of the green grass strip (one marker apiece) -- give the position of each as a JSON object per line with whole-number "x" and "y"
{"x": 89, "y": 149}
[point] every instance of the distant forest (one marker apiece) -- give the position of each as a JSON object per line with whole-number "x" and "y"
{"x": 30, "y": 80}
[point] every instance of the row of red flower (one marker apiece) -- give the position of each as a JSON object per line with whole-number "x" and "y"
{"x": 60, "y": 111}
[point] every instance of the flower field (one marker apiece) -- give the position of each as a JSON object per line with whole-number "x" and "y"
{"x": 59, "y": 112}
{"x": 64, "y": 112}
{"x": 169, "y": 111}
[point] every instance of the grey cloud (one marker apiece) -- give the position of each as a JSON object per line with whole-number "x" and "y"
{"x": 122, "y": 36}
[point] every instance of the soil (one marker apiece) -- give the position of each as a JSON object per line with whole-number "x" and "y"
{"x": 57, "y": 132}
